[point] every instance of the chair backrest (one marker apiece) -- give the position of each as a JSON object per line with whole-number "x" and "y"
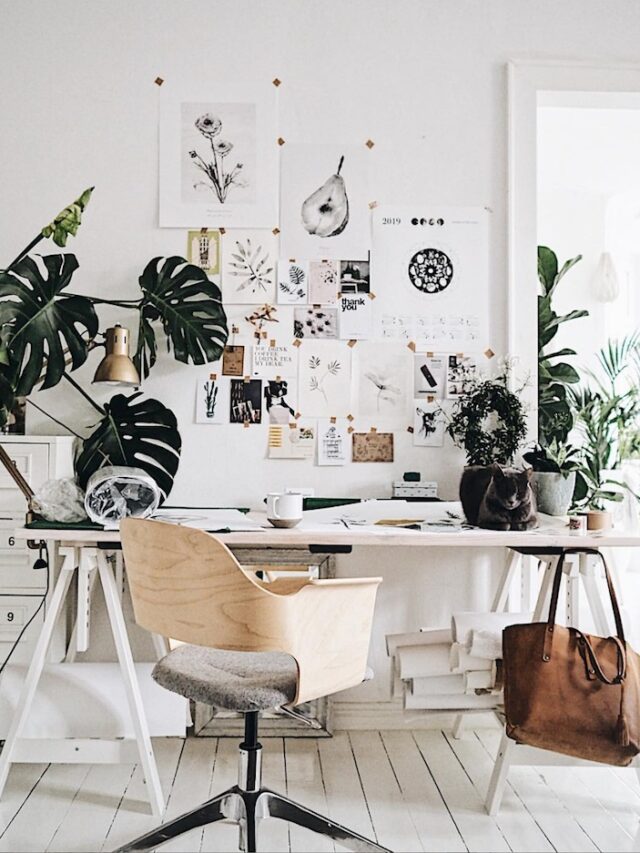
{"x": 187, "y": 585}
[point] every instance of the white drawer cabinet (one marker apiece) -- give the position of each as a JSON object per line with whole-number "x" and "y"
{"x": 38, "y": 458}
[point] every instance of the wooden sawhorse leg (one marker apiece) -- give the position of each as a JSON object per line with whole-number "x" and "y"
{"x": 17, "y": 748}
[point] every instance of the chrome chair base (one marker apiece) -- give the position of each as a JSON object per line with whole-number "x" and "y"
{"x": 247, "y": 808}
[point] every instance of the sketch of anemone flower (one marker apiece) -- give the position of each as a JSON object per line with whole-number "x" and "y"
{"x": 208, "y": 125}
{"x": 387, "y": 391}
{"x": 222, "y": 147}
{"x": 218, "y": 180}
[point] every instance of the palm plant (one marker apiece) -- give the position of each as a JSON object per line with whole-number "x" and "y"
{"x": 607, "y": 413}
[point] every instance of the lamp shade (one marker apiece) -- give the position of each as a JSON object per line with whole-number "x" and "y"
{"x": 116, "y": 368}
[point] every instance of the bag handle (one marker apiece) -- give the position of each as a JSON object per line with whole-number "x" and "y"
{"x": 555, "y": 592}
{"x": 593, "y": 664}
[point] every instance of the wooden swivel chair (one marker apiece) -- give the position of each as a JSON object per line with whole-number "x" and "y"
{"x": 250, "y": 646}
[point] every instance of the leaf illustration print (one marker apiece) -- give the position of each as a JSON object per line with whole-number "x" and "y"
{"x": 251, "y": 265}
{"x": 317, "y": 382}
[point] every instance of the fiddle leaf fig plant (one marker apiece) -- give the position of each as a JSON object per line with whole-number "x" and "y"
{"x": 47, "y": 333}
{"x": 555, "y": 414}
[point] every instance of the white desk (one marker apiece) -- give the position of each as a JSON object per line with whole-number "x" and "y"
{"x": 85, "y": 552}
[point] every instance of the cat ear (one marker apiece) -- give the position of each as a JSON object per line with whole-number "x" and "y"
{"x": 497, "y": 471}
{"x": 528, "y": 474}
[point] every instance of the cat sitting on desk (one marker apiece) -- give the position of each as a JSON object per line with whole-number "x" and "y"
{"x": 498, "y": 499}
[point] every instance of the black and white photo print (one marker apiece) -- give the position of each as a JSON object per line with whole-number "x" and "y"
{"x": 316, "y": 321}
{"x": 277, "y": 401}
{"x": 245, "y": 404}
{"x": 429, "y": 375}
{"x": 462, "y": 372}
{"x": 354, "y": 277}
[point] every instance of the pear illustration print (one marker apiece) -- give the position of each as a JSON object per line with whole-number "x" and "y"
{"x": 326, "y": 212}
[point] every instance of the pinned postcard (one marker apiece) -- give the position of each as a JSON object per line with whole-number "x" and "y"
{"x": 429, "y": 375}
{"x": 279, "y": 401}
{"x": 233, "y": 361}
{"x": 428, "y": 424}
{"x": 315, "y": 321}
{"x": 212, "y": 399}
{"x": 383, "y": 382}
{"x": 276, "y": 360}
{"x": 296, "y": 441}
{"x": 245, "y": 401}
{"x": 462, "y": 373}
{"x": 334, "y": 441}
{"x": 354, "y": 277}
{"x": 323, "y": 282}
{"x": 203, "y": 250}
{"x": 372, "y": 446}
{"x": 355, "y": 317}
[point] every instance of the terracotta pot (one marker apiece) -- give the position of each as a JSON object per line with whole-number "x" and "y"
{"x": 599, "y": 519}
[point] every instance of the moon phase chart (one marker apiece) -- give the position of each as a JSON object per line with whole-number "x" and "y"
{"x": 430, "y": 270}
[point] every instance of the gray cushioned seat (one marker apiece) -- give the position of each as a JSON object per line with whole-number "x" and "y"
{"x": 235, "y": 681}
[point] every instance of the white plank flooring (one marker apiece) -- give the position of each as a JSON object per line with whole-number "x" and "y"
{"x": 420, "y": 791}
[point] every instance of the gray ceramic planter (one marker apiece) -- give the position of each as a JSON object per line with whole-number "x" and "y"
{"x": 553, "y": 491}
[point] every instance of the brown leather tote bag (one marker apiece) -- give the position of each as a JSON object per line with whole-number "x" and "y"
{"x": 571, "y": 692}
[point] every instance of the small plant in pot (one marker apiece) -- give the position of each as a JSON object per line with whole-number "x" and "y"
{"x": 554, "y": 475}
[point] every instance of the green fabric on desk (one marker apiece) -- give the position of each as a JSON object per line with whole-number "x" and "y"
{"x": 326, "y": 503}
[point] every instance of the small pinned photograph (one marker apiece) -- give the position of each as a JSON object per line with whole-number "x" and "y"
{"x": 315, "y": 322}
{"x": 430, "y": 374}
{"x": 296, "y": 441}
{"x": 245, "y": 404}
{"x": 372, "y": 446}
{"x": 277, "y": 401}
{"x": 354, "y": 277}
{"x": 233, "y": 361}
{"x": 428, "y": 424}
{"x": 462, "y": 372}
{"x": 203, "y": 250}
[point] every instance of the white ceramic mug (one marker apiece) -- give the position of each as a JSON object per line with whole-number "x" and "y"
{"x": 284, "y": 510}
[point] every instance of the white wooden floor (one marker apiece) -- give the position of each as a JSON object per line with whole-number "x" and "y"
{"x": 409, "y": 790}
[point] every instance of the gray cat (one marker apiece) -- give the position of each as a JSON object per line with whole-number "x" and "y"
{"x": 498, "y": 499}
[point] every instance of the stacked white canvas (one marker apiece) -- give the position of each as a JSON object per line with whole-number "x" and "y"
{"x": 450, "y": 668}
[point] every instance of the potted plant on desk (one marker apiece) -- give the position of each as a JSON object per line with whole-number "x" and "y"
{"x": 554, "y": 475}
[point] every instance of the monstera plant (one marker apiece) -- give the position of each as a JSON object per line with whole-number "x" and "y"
{"x": 46, "y": 333}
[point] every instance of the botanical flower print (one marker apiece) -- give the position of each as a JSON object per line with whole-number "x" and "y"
{"x": 219, "y": 180}
{"x": 386, "y": 390}
{"x": 248, "y": 266}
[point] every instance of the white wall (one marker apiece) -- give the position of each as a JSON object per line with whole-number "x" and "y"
{"x": 425, "y": 79}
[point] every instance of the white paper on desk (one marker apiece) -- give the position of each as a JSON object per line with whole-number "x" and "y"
{"x": 208, "y": 519}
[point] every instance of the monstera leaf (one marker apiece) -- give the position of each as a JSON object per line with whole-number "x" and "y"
{"x": 43, "y": 323}
{"x": 189, "y": 306}
{"x": 141, "y": 434}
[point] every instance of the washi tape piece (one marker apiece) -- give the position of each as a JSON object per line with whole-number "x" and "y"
{"x": 372, "y": 204}
{"x": 272, "y": 343}
{"x": 276, "y": 82}
{"x": 247, "y": 379}
{"x": 352, "y": 342}
{"x": 332, "y": 420}
{"x": 411, "y": 345}
{"x": 275, "y": 231}
{"x": 489, "y": 353}
{"x": 373, "y": 429}
{"x": 159, "y": 81}
{"x": 222, "y": 230}
{"x": 297, "y": 343}
{"x": 369, "y": 143}
{"x": 213, "y": 376}
{"x": 410, "y": 429}
{"x": 280, "y": 141}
